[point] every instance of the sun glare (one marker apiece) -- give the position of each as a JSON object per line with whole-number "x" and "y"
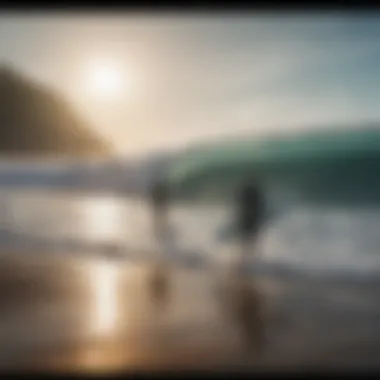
{"x": 106, "y": 80}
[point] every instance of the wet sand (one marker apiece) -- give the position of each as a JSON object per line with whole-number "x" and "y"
{"x": 70, "y": 314}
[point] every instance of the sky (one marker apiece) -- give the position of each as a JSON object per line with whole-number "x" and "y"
{"x": 190, "y": 78}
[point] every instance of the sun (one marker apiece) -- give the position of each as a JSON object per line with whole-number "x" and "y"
{"x": 106, "y": 80}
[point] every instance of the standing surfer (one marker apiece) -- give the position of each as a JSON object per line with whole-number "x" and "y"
{"x": 158, "y": 277}
{"x": 249, "y": 218}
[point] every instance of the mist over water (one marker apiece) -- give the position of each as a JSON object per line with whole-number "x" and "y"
{"x": 305, "y": 239}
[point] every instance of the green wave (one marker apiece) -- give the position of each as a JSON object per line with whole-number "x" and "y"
{"x": 340, "y": 167}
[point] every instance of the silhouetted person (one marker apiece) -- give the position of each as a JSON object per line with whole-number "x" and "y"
{"x": 249, "y": 215}
{"x": 159, "y": 201}
{"x": 159, "y": 277}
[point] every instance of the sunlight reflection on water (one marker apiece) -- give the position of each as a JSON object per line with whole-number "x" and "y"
{"x": 306, "y": 237}
{"x": 103, "y": 219}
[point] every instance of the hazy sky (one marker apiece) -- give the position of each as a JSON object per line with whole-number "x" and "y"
{"x": 197, "y": 77}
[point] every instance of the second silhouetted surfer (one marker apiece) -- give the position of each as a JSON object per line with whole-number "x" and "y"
{"x": 159, "y": 277}
{"x": 249, "y": 217}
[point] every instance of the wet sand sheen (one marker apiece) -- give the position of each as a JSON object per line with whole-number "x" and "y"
{"x": 67, "y": 313}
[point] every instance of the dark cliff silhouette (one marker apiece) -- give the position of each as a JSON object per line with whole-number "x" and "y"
{"x": 37, "y": 121}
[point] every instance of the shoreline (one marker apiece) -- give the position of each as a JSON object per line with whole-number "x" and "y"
{"x": 308, "y": 322}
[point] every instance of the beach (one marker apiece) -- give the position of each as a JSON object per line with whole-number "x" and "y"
{"x": 74, "y": 290}
{"x": 96, "y": 315}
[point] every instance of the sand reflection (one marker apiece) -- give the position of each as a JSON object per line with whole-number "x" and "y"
{"x": 105, "y": 277}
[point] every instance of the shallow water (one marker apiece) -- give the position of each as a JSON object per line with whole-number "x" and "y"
{"x": 304, "y": 239}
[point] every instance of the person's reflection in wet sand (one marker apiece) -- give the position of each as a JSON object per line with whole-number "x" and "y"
{"x": 158, "y": 277}
{"x": 244, "y": 307}
{"x": 159, "y": 286}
